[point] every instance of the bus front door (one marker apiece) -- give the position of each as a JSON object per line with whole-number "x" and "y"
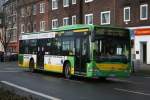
{"x": 80, "y": 64}
{"x": 40, "y": 58}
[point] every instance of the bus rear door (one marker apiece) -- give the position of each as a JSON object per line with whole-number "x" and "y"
{"x": 40, "y": 54}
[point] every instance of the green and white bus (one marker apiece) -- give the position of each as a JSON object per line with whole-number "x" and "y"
{"x": 81, "y": 50}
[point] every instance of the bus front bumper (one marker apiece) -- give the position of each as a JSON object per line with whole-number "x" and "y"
{"x": 105, "y": 73}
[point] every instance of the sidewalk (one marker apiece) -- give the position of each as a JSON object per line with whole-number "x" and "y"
{"x": 141, "y": 69}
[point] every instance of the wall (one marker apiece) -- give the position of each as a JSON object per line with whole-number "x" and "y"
{"x": 138, "y": 40}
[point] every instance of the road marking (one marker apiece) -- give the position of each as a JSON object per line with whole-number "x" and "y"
{"x": 30, "y": 91}
{"x": 4, "y": 71}
{"x": 12, "y": 68}
{"x": 130, "y": 91}
{"x": 120, "y": 80}
{"x": 148, "y": 77}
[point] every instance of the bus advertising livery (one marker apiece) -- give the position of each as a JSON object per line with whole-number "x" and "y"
{"x": 80, "y": 50}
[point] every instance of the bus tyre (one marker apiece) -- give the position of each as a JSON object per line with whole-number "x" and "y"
{"x": 67, "y": 71}
{"x": 102, "y": 78}
{"x": 31, "y": 66}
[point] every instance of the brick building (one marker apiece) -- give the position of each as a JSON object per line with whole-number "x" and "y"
{"x": 10, "y": 24}
{"x": 134, "y": 14}
{"x": 44, "y": 15}
{"x": 64, "y": 12}
{"x": 33, "y": 16}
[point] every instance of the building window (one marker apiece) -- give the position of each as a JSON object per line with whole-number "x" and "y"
{"x": 74, "y": 19}
{"x": 89, "y": 19}
{"x": 42, "y": 8}
{"x": 66, "y": 21}
{"x": 126, "y": 14}
{"x": 42, "y": 25}
{"x": 74, "y": 1}
{"x": 13, "y": 36}
{"x": 54, "y": 4}
{"x": 88, "y": 1}
{"x": 22, "y": 28}
{"x": 34, "y": 27}
{"x": 65, "y": 3}
{"x": 28, "y": 27}
{"x": 105, "y": 18}
{"x": 22, "y": 12}
{"x": 54, "y": 23}
{"x": 28, "y": 11}
{"x": 144, "y": 12}
{"x": 34, "y": 10}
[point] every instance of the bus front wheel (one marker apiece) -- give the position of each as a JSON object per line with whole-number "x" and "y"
{"x": 67, "y": 71}
{"x": 31, "y": 66}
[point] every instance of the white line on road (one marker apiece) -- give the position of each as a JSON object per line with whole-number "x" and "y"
{"x": 12, "y": 68}
{"x": 130, "y": 91}
{"x": 4, "y": 71}
{"x": 121, "y": 80}
{"x": 148, "y": 77}
{"x": 30, "y": 91}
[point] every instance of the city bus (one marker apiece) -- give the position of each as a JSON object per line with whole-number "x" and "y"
{"x": 78, "y": 50}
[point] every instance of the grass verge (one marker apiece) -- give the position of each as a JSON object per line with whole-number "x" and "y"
{"x": 6, "y": 94}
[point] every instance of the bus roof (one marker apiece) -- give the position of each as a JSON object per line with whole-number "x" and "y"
{"x": 84, "y": 26}
{"x": 74, "y": 27}
{"x": 36, "y": 35}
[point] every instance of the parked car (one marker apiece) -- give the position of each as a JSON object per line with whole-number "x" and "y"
{"x": 9, "y": 56}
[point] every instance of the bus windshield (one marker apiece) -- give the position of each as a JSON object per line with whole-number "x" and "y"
{"x": 111, "y": 46}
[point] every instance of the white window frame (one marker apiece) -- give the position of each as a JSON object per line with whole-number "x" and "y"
{"x": 34, "y": 26}
{"x": 22, "y": 11}
{"x": 86, "y": 1}
{"x": 87, "y": 15}
{"x": 104, "y": 12}
{"x": 67, "y": 4}
{"x": 124, "y": 13}
{"x": 42, "y": 7}
{"x": 141, "y": 6}
{"x": 66, "y": 18}
{"x": 14, "y": 36}
{"x": 34, "y": 9}
{"x": 28, "y": 27}
{"x": 54, "y": 7}
{"x": 74, "y": 1}
{"x": 74, "y": 17}
{"x": 22, "y": 28}
{"x": 56, "y": 23}
{"x": 42, "y": 25}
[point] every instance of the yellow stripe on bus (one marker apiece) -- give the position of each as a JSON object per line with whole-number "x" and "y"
{"x": 116, "y": 67}
{"x": 81, "y": 30}
{"x": 56, "y": 68}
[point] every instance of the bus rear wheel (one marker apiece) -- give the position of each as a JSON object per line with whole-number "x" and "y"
{"x": 67, "y": 71}
{"x": 31, "y": 66}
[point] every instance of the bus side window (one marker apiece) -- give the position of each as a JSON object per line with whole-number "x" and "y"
{"x": 67, "y": 47}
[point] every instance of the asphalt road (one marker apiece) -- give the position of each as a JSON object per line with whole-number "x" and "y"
{"x": 53, "y": 86}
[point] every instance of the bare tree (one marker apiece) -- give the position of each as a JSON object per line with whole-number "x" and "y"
{"x": 7, "y": 30}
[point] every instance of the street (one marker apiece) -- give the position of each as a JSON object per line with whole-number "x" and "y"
{"x": 52, "y": 86}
